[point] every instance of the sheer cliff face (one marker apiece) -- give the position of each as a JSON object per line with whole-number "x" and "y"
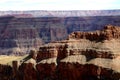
{"x": 83, "y": 56}
{"x": 16, "y": 37}
{"x": 20, "y": 34}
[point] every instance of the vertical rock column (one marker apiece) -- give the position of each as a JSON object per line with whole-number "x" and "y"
{"x": 15, "y": 69}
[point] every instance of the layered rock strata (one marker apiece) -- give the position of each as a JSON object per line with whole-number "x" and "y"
{"x": 83, "y": 56}
{"x": 20, "y": 33}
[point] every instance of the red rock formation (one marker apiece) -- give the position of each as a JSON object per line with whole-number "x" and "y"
{"x": 108, "y": 33}
{"x": 27, "y": 72}
{"x": 5, "y": 72}
{"x": 83, "y": 56}
{"x": 46, "y": 71}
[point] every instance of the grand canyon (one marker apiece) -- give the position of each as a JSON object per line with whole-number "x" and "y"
{"x": 60, "y": 45}
{"x": 21, "y": 31}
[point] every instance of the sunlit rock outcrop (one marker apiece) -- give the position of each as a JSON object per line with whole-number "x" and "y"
{"x": 82, "y": 56}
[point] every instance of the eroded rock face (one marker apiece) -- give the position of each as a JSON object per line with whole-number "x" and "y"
{"x": 27, "y": 72}
{"x": 108, "y": 33}
{"x": 20, "y": 33}
{"x": 6, "y": 72}
{"x": 86, "y": 55}
{"x": 77, "y": 58}
{"x": 46, "y": 71}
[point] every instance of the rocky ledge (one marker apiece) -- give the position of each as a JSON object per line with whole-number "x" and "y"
{"x": 83, "y": 56}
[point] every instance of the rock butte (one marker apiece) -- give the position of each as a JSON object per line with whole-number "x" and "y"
{"x": 82, "y": 56}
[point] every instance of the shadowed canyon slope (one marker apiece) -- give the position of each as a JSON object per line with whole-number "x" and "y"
{"x": 82, "y": 56}
{"x": 22, "y": 31}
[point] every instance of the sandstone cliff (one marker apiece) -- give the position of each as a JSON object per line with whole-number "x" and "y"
{"x": 83, "y": 56}
{"x": 19, "y": 34}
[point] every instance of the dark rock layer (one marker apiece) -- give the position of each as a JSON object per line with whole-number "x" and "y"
{"x": 77, "y": 58}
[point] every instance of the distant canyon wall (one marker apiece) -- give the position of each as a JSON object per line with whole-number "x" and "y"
{"x": 19, "y": 34}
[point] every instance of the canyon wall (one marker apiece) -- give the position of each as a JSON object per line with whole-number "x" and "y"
{"x": 82, "y": 56}
{"x": 61, "y": 13}
{"x": 20, "y": 34}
